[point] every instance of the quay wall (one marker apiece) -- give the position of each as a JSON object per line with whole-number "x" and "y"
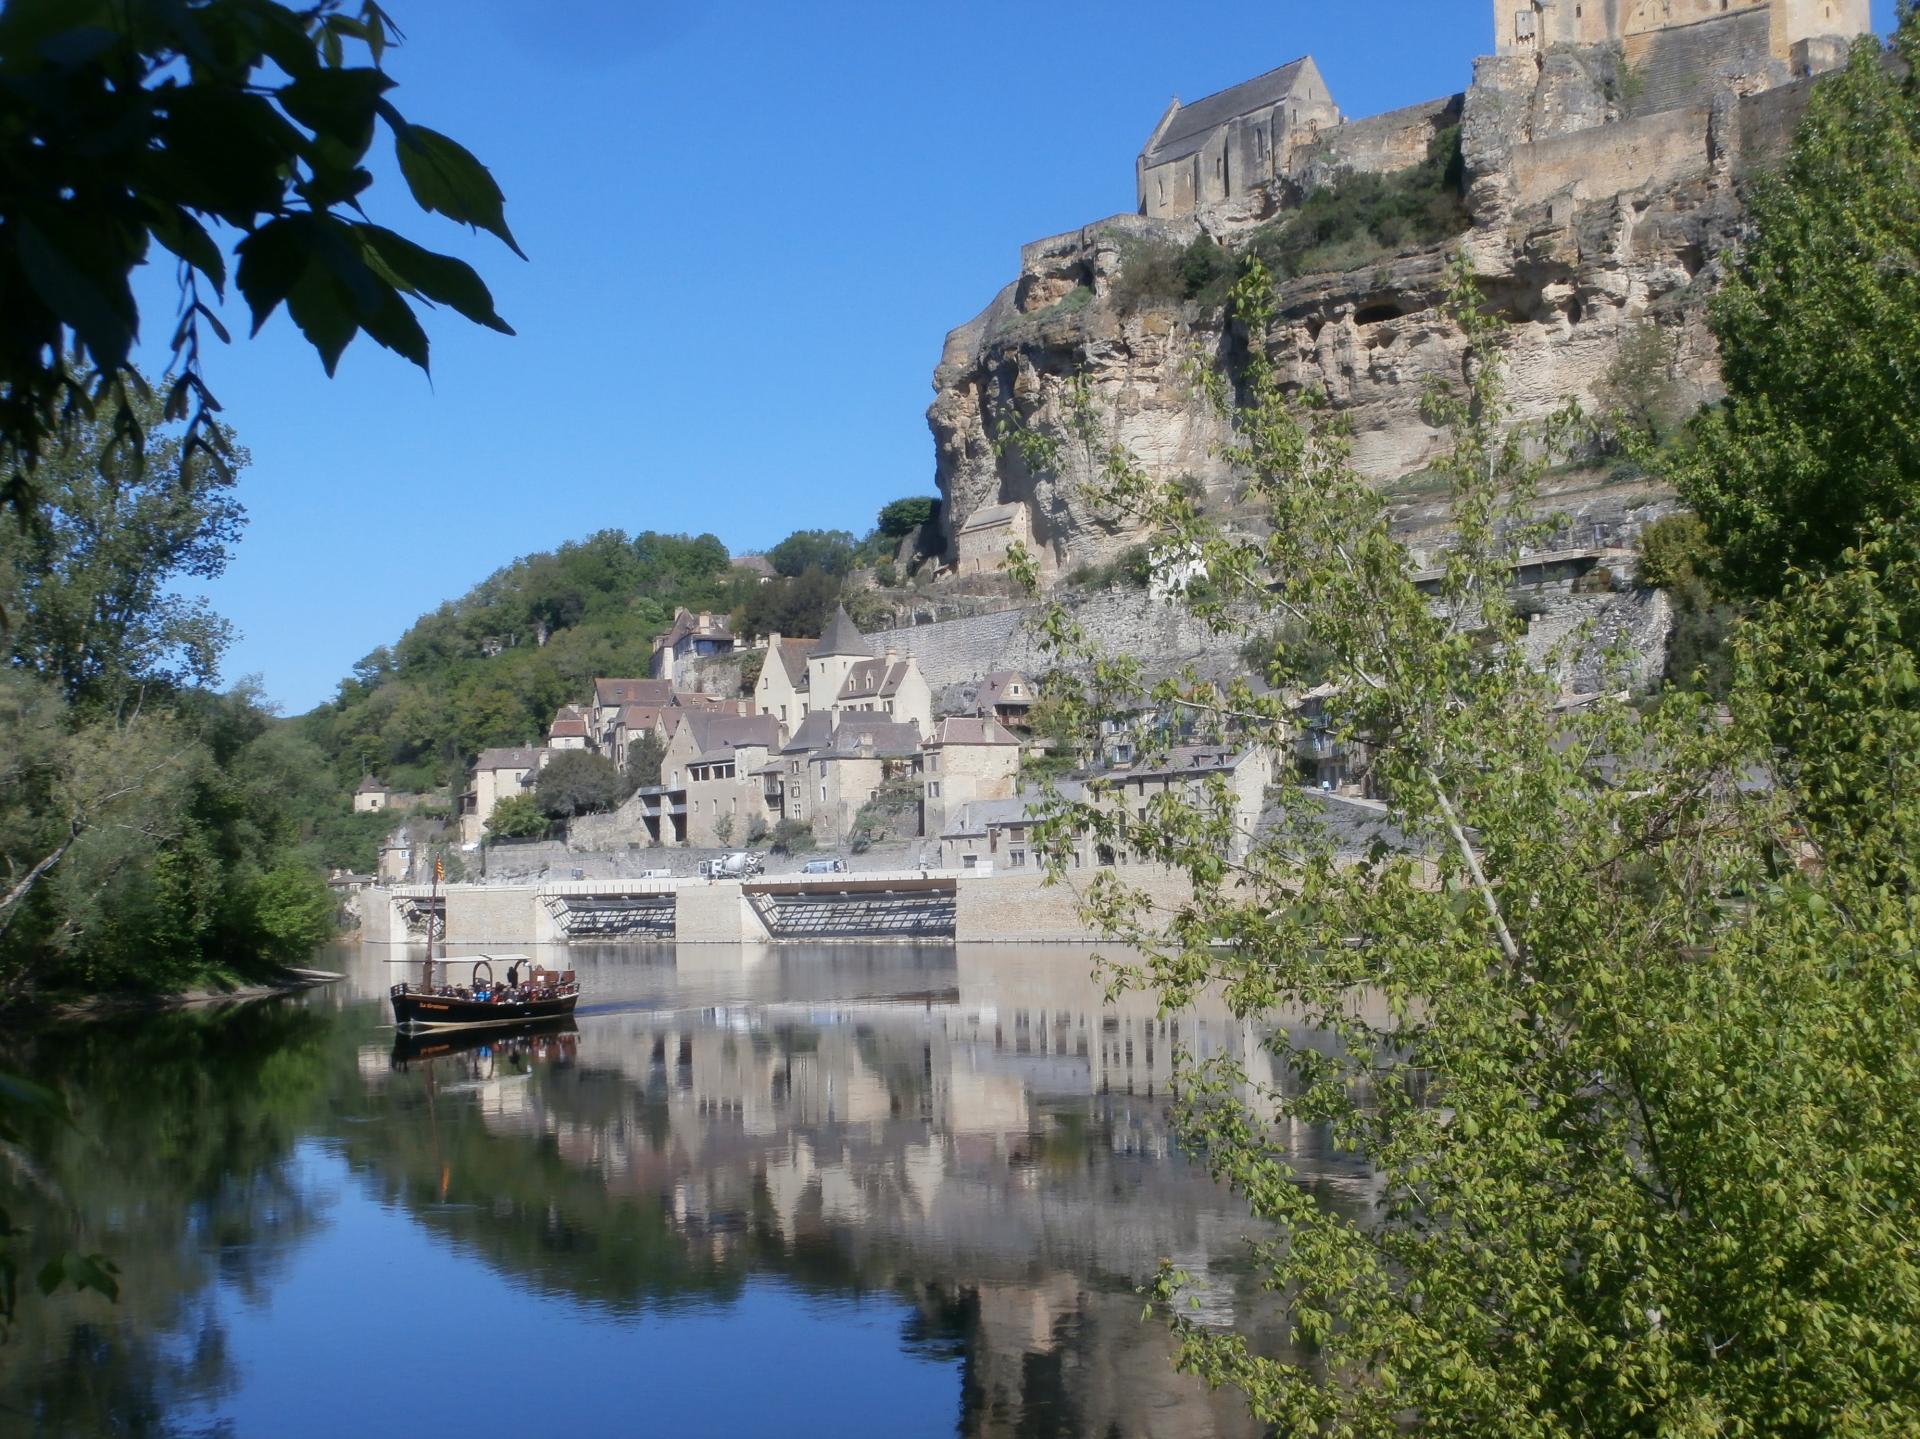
{"x": 1025, "y": 909}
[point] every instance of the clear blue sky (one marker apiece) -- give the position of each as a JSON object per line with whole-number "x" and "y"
{"x": 750, "y": 226}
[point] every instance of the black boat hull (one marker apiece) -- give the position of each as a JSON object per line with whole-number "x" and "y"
{"x": 415, "y": 1010}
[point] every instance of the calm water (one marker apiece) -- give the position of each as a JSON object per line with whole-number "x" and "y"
{"x": 835, "y": 1191}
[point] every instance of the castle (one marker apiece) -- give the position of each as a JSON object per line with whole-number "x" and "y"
{"x": 1251, "y": 147}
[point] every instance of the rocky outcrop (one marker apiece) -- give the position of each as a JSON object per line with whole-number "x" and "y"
{"x": 1587, "y": 222}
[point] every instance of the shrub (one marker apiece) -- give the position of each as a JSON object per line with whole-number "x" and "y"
{"x": 757, "y": 831}
{"x": 518, "y": 816}
{"x": 1159, "y": 272}
{"x": 1673, "y": 552}
{"x": 790, "y": 836}
{"x": 577, "y": 781}
{"x": 1596, "y": 581}
{"x": 1287, "y": 656}
{"x": 1640, "y": 398}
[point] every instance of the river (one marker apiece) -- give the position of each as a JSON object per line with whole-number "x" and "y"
{"x": 797, "y": 1190}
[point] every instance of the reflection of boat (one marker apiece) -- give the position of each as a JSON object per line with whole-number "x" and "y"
{"x": 551, "y": 1041}
{"x": 490, "y": 1001}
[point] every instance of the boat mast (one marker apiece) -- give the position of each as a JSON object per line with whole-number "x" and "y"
{"x": 433, "y": 913}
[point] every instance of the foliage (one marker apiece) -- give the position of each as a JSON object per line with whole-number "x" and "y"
{"x": 831, "y": 551}
{"x": 901, "y": 518}
{"x": 293, "y": 911}
{"x": 1286, "y": 657}
{"x": 757, "y": 831}
{"x": 790, "y": 836}
{"x": 1362, "y": 218}
{"x": 1159, "y": 272}
{"x": 1131, "y": 569}
{"x": 577, "y": 781}
{"x": 518, "y": 816}
{"x": 1640, "y": 399}
{"x": 1819, "y": 440}
{"x": 751, "y": 663}
{"x": 1673, "y": 551}
{"x": 90, "y": 581}
{"x": 644, "y": 757}
{"x": 801, "y": 604}
{"x": 723, "y": 830}
{"x": 1627, "y": 1049}
{"x": 182, "y": 123}
{"x": 23, "y": 1105}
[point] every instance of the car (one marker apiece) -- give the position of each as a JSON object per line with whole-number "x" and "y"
{"x": 836, "y": 865}
{"x": 654, "y": 874}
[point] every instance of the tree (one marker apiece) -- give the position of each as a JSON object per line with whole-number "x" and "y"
{"x": 791, "y": 605}
{"x": 1625, "y": 1039}
{"x": 828, "y": 550}
{"x": 91, "y": 582}
{"x": 518, "y": 816}
{"x": 643, "y": 760}
{"x": 790, "y": 836}
{"x": 183, "y": 123}
{"x": 906, "y": 517}
{"x": 577, "y": 781}
{"x": 1819, "y": 440}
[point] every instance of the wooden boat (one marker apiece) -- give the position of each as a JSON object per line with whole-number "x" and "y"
{"x": 489, "y": 1001}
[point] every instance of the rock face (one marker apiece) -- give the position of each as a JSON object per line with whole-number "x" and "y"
{"x": 1587, "y": 223}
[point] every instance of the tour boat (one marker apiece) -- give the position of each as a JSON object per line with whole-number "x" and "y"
{"x": 490, "y": 1001}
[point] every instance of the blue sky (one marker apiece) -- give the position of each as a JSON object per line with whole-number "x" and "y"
{"x": 749, "y": 228}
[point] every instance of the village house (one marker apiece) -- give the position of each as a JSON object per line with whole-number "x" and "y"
{"x": 714, "y": 760}
{"x": 984, "y": 538}
{"x": 569, "y": 729}
{"x": 966, "y": 759}
{"x": 611, "y": 696}
{"x": 370, "y": 795}
{"x": 990, "y": 834}
{"x": 864, "y": 753}
{"x": 690, "y": 636}
{"x": 496, "y": 774}
{"x": 1006, "y": 696}
{"x": 839, "y": 673}
{"x": 759, "y": 567}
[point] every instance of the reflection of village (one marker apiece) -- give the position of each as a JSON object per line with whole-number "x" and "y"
{"x": 978, "y": 1122}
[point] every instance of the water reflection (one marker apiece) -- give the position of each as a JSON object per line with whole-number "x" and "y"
{"x": 934, "y": 1173}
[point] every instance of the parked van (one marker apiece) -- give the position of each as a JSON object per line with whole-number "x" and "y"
{"x": 655, "y": 874}
{"x": 836, "y": 865}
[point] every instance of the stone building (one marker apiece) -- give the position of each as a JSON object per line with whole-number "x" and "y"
{"x": 691, "y": 636}
{"x": 1805, "y": 35}
{"x": 611, "y": 696}
{"x": 984, "y": 539}
{"x": 833, "y": 764}
{"x": 966, "y": 759}
{"x": 1232, "y": 145}
{"x": 716, "y": 759}
{"x": 569, "y": 729}
{"x": 497, "y": 774}
{"x": 369, "y": 796}
{"x": 840, "y": 674}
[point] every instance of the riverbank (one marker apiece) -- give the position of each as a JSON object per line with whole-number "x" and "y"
{"x": 213, "y": 992}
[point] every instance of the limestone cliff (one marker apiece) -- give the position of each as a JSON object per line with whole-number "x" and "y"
{"x": 1586, "y": 221}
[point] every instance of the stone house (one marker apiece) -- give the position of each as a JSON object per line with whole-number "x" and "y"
{"x": 690, "y": 636}
{"x": 1006, "y": 696}
{"x": 833, "y": 764}
{"x": 370, "y": 795}
{"x": 715, "y": 759}
{"x": 1232, "y": 145}
{"x": 840, "y": 674}
{"x": 569, "y": 729}
{"x": 981, "y": 544}
{"x": 611, "y": 696}
{"x": 997, "y": 834}
{"x": 966, "y": 759}
{"x": 496, "y": 774}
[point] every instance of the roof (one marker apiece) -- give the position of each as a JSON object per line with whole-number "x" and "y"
{"x": 686, "y": 624}
{"x": 966, "y": 729}
{"x": 756, "y": 564}
{"x": 792, "y": 655}
{"x": 882, "y": 740}
{"x": 994, "y": 689}
{"x": 1186, "y": 759}
{"x": 567, "y": 725}
{"x": 843, "y": 637}
{"x": 510, "y": 758}
{"x": 977, "y": 816}
{"x": 813, "y": 732}
{"x": 714, "y": 732}
{"x": 641, "y": 716}
{"x": 872, "y": 678}
{"x": 370, "y": 785}
{"x": 1191, "y": 124}
{"x": 992, "y": 515}
{"x": 632, "y": 692}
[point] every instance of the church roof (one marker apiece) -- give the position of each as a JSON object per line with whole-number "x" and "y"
{"x": 843, "y": 637}
{"x": 1187, "y": 131}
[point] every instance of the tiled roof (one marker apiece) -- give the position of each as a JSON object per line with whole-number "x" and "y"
{"x": 755, "y": 564}
{"x": 1191, "y": 124}
{"x": 632, "y": 692}
{"x": 792, "y": 655}
{"x": 995, "y": 689}
{"x": 991, "y": 515}
{"x": 965, "y": 729}
{"x": 713, "y": 731}
{"x": 522, "y": 758}
{"x": 370, "y": 785}
{"x": 843, "y": 637}
{"x": 863, "y": 736}
{"x": 977, "y": 816}
{"x": 813, "y": 732}
{"x": 873, "y": 679}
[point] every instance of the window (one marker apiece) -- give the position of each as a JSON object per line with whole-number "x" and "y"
{"x": 933, "y": 790}
{"x": 1017, "y": 858}
{"x": 933, "y": 761}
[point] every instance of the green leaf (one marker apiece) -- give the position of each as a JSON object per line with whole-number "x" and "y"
{"x": 440, "y": 278}
{"x": 186, "y": 237}
{"x": 337, "y": 104}
{"x": 272, "y": 260}
{"x": 446, "y": 179}
{"x": 90, "y": 297}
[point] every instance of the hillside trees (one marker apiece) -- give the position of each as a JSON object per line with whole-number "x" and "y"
{"x": 1619, "y": 1015}
{"x": 576, "y": 782}
{"x": 187, "y": 124}
{"x": 1818, "y": 442}
{"x": 830, "y": 551}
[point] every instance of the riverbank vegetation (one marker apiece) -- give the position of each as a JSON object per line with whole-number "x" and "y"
{"x": 1624, "y": 994}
